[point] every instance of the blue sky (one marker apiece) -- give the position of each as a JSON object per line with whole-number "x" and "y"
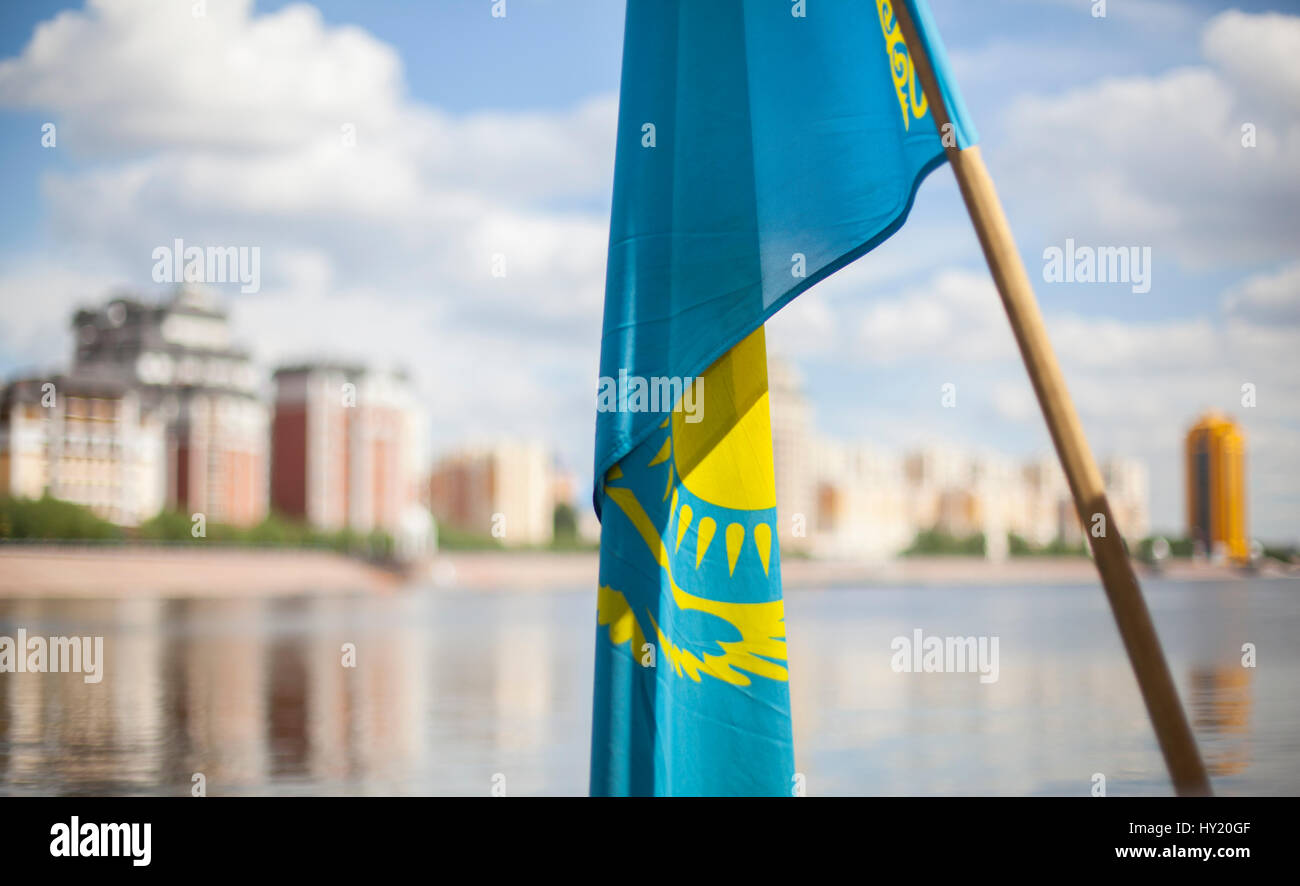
{"x": 478, "y": 134}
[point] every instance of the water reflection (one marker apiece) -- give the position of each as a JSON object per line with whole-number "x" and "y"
{"x": 450, "y": 689}
{"x": 1221, "y": 706}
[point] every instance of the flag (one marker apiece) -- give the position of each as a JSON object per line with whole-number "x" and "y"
{"x": 762, "y": 145}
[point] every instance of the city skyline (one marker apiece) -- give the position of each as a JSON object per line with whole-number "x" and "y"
{"x": 379, "y": 212}
{"x": 842, "y": 498}
{"x": 836, "y": 498}
{"x": 161, "y": 410}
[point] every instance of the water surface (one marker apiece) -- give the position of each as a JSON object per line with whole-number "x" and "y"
{"x": 451, "y": 689}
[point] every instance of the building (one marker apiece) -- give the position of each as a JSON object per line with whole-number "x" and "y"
{"x": 564, "y": 488}
{"x": 1128, "y": 489}
{"x": 505, "y": 490}
{"x": 861, "y": 502}
{"x": 1049, "y": 507}
{"x": 1053, "y": 517}
{"x": 792, "y": 457}
{"x": 1216, "y": 487}
{"x": 179, "y": 359}
{"x": 346, "y": 447}
{"x": 934, "y": 475}
{"x": 86, "y": 441}
{"x": 851, "y": 500}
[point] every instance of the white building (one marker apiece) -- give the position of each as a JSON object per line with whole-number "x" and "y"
{"x": 862, "y": 503}
{"x": 856, "y": 501}
{"x": 182, "y": 362}
{"x": 84, "y": 441}
{"x": 1128, "y": 488}
{"x": 793, "y": 457}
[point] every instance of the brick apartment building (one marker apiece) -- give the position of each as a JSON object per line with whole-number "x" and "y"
{"x": 346, "y": 446}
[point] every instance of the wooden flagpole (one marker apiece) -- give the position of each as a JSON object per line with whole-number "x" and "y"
{"x": 1130, "y": 610}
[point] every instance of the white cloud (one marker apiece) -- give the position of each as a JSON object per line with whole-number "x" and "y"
{"x": 1159, "y": 160}
{"x": 230, "y": 130}
{"x": 147, "y": 73}
{"x": 956, "y": 316}
{"x": 804, "y": 328}
{"x": 36, "y": 300}
{"x": 1267, "y": 299}
{"x": 1014, "y": 402}
{"x": 1258, "y": 54}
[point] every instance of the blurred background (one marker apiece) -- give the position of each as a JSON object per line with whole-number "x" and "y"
{"x": 299, "y": 323}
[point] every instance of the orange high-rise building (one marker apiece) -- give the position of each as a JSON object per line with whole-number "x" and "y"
{"x": 1216, "y": 486}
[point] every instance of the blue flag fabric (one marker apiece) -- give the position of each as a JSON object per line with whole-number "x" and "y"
{"x": 759, "y": 150}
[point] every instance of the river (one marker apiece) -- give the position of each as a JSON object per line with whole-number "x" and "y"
{"x": 454, "y": 692}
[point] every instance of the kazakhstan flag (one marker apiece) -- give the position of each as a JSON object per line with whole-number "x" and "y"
{"x": 762, "y": 145}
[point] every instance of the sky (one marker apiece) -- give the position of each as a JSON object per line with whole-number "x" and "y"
{"x": 478, "y": 135}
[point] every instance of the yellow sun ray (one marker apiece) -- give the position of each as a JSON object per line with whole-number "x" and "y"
{"x": 735, "y": 538}
{"x": 665, "y": 452}
{"x": 761, "y": 625}
{"x": 763, "y": 541}
{"x": 707, "y": 527}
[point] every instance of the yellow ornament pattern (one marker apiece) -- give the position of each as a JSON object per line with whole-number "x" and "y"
{"x": 719, "y": 477}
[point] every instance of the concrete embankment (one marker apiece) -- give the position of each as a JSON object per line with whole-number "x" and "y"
{"x": 56, "y": 570}
{"x": 543, "y": 571}
{"x": 71, "y": 571}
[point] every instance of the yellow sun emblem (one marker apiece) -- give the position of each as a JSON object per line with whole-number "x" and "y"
{"x": 719, "y": 467}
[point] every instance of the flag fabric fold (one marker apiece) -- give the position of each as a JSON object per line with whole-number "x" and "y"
{"x": 758, "y": 151}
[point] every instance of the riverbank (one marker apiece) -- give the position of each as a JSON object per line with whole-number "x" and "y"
{"x": 497, "y": 571}
{"x": 43, "y": 570}
{"x": 40, "y": 570}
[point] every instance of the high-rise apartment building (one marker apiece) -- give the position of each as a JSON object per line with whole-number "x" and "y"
{"x": 793, "y": 457}
{"x": 179, "y": 359}
{"x": 1216, "y": 486}
{"x": 505, "y": 490}
{"x": 1128, "y": 489}
{"x": 346, "y": 446}
{"x": 852, "y": 500}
